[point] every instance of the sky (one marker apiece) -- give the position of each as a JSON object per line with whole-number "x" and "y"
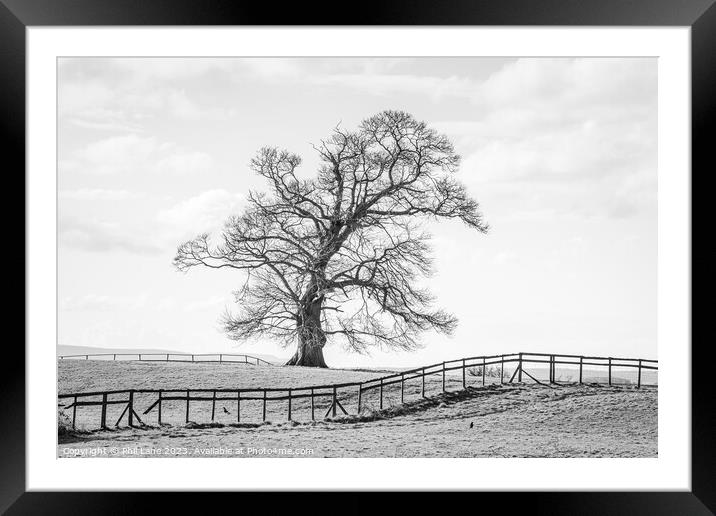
{"x": 560, "y": 153}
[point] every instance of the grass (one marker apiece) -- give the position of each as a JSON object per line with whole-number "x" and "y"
{"x": 495, "y": 421}
{"x": 102, "y": 375}
{"x": 64, "y": 423}
{"x": 90, "y": 375}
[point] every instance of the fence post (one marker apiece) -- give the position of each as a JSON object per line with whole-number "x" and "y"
{"x": 381, "y": 394}
{"x": 114, "y": 357}
{"x": 130, "y": 411}
{"x": 86, "y": 357}
{"x": 221, "y": 358}
{"x": 74, "y": 413}
{"x": 264, "y": 408}
{"x": 238, "y": 406}
{"x": 289, "y": 404}
{"x": 581, "y": 360}
{"x": 638, "y": 378}
{"x": 360, "y": 395}
{"x": 443, "y": 376}
{"x": 484, "y": 371}
{"x": 313, "y": 407}
{"x": 610, "y": 371}
{"x": 140, "y": 357}
{"x": 422, "y": 392}
{"x": 103, "y": 423}
{"x": 464, "y": 385}
{"x": 502, "y": 369}
{"x": 187, "y": 406}
{"x": 159, "y": 408}
{"x": 192, "y": 358}
{"x": 551, "y": 369}
{"x": 554, "y": 368}
{"x": 167, "y": 357}
{"x": 213, "y": 406}
{"x": 519, "y": 373}
{"x": 402, "y": 388}
{"x": 333, "y": 411}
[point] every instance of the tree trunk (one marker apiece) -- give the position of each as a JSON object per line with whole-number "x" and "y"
{"x": 308, "y": 356}
{"x": 311, "y": 338}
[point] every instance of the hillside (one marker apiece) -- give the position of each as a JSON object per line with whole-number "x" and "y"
{"x": 512, "y": 421}
{"x": 522, "y": 420}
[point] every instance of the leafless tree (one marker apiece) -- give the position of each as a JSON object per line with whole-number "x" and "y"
{"x": 340, "y": 255}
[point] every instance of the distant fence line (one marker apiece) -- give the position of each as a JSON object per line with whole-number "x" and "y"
{"x": 227, "y": 358}
{"x": 332, "y": 391}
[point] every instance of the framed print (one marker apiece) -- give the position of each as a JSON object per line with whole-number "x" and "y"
{"x": 436, "y": 250}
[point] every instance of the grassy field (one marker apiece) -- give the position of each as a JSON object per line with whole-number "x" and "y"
{"x": 507, "y": 420}
{"x": 99, "y": 375}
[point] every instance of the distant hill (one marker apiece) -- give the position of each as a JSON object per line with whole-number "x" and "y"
{"x": 91, "y": 350}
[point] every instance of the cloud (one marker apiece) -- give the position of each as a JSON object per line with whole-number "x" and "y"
{"x": 633, "y": 194}
{"x": 213, "y": 303}
{"x": 102, "y": 236}
{"x": 523, "y": 84}
{"x": 168, "y": 69}
{"x": 267, "y": 69}
{"x": 184, "y": 163}
{"x": 99, "y": 194}
{"x": 120, "y": 94}
{"x": 382, "y": 84}
{"x": 105, "y": 126}
{"x": 79, "y": 96}
{"x": 67, "y": 165}
{"x": 91, "y": 302}
{"x": 103, "y": 303}
{"x": 575, "y": 135}
{"x": 180, "y": 105}
{"x": 130, "y": 90}
{"x": 588, "y": 83}
{"x": 504, "y": 257}
{"x": 205, "y": 212}
{"x": 103, "y": 119}
{"x": 118, "y": 154}
{"x": 133, "y": 153}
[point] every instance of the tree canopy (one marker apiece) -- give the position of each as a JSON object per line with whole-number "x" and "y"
{"x": 340, "y": 255}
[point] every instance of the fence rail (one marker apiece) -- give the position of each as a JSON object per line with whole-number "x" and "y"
{"x": 335, "y": 397}
{"x": 223, "y": 358}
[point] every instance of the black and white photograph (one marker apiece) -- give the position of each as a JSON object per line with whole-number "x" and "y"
{"x": 357, "y": 257}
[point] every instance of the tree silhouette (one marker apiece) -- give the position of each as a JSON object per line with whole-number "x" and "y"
{"x": 340, "y": 255}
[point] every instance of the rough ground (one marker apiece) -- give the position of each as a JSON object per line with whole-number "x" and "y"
{"x": 527, "y": 420}
{"x": 97, "y": 375}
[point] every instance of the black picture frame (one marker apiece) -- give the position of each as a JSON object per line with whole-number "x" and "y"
{"x": 700, "y": 15}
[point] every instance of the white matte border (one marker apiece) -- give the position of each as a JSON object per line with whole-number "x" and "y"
{"x": 670, "y": 471}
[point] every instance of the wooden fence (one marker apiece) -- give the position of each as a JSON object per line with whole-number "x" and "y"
{"x": 335, "y": 398}
{"x": 223, "y": 358}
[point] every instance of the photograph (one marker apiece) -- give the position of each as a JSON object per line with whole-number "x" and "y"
{"x": 357, "y": 257}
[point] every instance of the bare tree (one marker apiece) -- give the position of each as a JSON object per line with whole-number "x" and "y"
{"x": 340, "y": 255}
